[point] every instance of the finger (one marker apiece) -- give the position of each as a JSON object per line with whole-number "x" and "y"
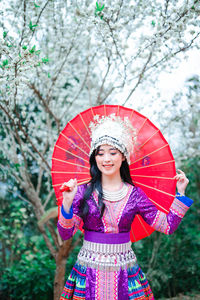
{"x": 177, "y": 176}
{"x": 70, "y": 182}
{"x": 181, "y": 172}
{"x": 180, "y": 178}
{"x": 74, "y": 182}
{"x": 63, "y": 185}
{"x": 66, "y": 185}
{"x": 65, "y": 189}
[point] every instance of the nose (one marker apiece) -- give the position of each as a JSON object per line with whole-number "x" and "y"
{"x": 107, "y": 157}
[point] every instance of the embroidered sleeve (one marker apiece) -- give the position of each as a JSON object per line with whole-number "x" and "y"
{"x": 160, "y": 221}
{"x": 69, "y": 223}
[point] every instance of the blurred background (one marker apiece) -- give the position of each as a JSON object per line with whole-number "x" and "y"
{"x": 58, "y": 58}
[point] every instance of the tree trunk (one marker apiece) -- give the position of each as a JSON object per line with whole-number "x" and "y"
{"x": 61, "y": 258}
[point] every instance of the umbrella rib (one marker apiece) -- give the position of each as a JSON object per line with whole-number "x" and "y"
{"x": 142, "y": 225}
{"x": 150, "y": 153}
{"x": 78, "y": 134}
{"x": 84, "y": 124}
{"x": 72, "y": 142}
{"x": 71, "y": 153}
{"x": 142, "y": 125}
{"x": 159, "y": 205}
{"x": 150, "y": 187}
{"x": 133, "y": 234}
{"x": 132, "y": 111}
{"x": 156, "y": 177}
{"x": 92, "y": 112}
{"x": 162, "y": 163}
{"x": 149, "y": 138}
{"x": 79, "y": 183}
{"x": 67, "y": 162}
{"x": 85, "y": 181}
{"x": 65, "y": 172}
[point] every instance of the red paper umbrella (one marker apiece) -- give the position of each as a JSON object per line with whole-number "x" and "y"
{"x": 152, "y": 164}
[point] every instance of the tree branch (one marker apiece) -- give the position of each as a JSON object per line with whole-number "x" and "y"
{"x": 140, "y": 76}
{"x": 48, "y": 110}
{"x": 47, "y": 241}
{"x": 48, "y": 198}
{"x": 166, "y": 57}
{"x": 38, "y": 19}
{"x": 103, "y": 81}
{"x": 24, "y": 24}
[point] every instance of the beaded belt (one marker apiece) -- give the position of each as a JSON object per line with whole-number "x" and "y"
{"x": 107, "y": 251}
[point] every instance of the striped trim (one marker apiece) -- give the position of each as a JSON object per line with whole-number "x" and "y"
{"x": 179, "y": 208}
{"x": 138, "y": 286}
{"x": 75, "y": 286}
{"x": 160, "y": 222}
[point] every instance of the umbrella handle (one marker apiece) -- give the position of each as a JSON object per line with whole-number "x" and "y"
{"x": 65, "y": 189}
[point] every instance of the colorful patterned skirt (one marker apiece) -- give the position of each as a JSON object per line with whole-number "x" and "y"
{"x": 106, "y": 271}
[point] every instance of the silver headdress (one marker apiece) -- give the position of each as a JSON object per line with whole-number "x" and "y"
{"x": 114, "y": 131}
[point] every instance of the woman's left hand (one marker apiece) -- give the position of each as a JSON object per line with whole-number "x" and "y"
{"x": 182, "y": 182}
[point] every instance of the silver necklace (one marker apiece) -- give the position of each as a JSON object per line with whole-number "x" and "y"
{"x": 115, "y": 195}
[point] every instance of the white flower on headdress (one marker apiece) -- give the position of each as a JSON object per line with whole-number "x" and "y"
{"x": 114, "y": 131}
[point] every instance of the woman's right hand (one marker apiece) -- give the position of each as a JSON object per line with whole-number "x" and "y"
{"x": 69, "y": 195}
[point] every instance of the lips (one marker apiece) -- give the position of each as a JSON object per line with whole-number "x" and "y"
{"x": 107, "y": 166}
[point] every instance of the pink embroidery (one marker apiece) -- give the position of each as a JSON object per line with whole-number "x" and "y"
{"x": 160, "y": 222}
{"x": 113, "y": 213}
{"x": 109, "y": 221}
{"x": 75, "y": 222}
{"x": 124, "y": 204}
{"x": 178, "y": 208}
{"x": 65, "y": 223}
{"x": 106, "y": 285}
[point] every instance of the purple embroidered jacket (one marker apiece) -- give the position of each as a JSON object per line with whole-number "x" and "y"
{"x": 136, "y": 202}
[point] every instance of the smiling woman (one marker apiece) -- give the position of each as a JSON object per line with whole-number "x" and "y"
{"x": 109, "y": 161}
{"x": 106, "y": 266}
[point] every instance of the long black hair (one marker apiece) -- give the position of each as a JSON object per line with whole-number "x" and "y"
{"x": 95, "y": 183}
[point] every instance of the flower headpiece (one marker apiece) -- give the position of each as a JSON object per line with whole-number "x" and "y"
{"x": 114, "y": 131}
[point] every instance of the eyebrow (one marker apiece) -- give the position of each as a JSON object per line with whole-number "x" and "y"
{"x": 108, "y": 149}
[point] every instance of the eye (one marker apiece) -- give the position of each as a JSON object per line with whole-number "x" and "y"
{"x": 113, "y": 153}
{"x": 100, "y": 154}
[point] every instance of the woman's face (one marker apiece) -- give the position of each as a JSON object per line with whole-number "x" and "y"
{"x": 109, "y": 160}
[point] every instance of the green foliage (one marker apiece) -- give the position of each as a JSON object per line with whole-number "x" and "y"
{"x": 99, "y": 10}
{"x": 36, "y": 6}
{"x": 27, "y": 268}
{"x": 5, "y": 34}
{"x": 31, "y": 278}
{"x": 32, "y": 26}
{"x": 32, "y": 50}
{"x": 45, "y": 60}
{"x": 4, "y": 63}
